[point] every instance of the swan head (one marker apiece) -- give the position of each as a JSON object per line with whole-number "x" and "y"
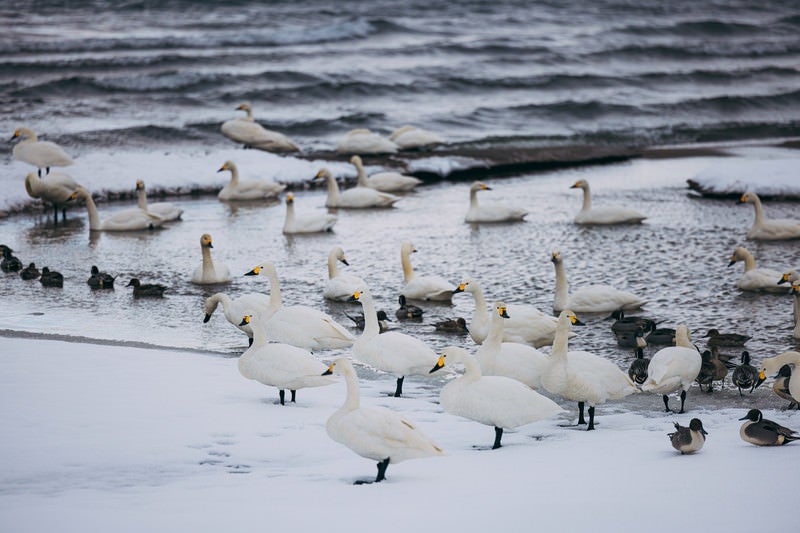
{"x": 342, "y": 365}
{"x": 480, "y": 186}
{"x": 738, "y": 254}
{"x": 244, "y": 107}
{"x": 568, "y": 317}
{"x": 501, "y": 309}
{"x": 356, "y": 160}
{"x": 205, "y": 241}
{"x": 338, "y": 253}
{"x": 246, "y": 319}
{"x": 748, "y": 197}
{"x": 555, "y": 257}
{"x": 23, "y": 133}
{"x": 407, "y": 248}
{"x": 323, "y": 173}
{"x": 289, "y": 199}
{"x": 139, "y": 185}
{"x": 456, "y": 354}
{"x": 795, "y": 288}
{"x": 788, "y": 277}
{"x": 580, "y": 184}
{"x": 227, "y": 165}
{"x": 467, "y": 285}
{"x": 257, "y": 270}
{"x": 357, "y": 296}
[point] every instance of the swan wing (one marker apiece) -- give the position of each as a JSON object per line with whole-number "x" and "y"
{"x": 396, "y": 353}
{"x": 609, "y": 215}
{"x": 602, "y": 299}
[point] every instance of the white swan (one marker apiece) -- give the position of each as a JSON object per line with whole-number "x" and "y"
{"x": 279, "y": 365}
{"x": 247, "y": 131}
{"x": 769, "y": 229}
{"x": 789, "y": 276}
{"x": 363, "y": 141}
{"x": 133, "y": 219}
{"x": 771, "y": 365}
{"x": 603, "y": 215}
{"x": 422, "y": 287}
{"x": 582, "y": 376}
{"x": 298, "y": 325}
{"x": 492, "y": 212}
{"x": 525, "y": 324}
{"x": 497, "y": 401}
{"x": 340, "y": 286}
{"x": 41, "y": 154}
{"x": 234, "y": 310}
{"x": 592, "y": 298}
{"x": 510, "y": 359}
{"x": 375, "y": 432}
{"x": 755, "y": 279}
{"x": 383, "y": 181}
{"x": 165, "y": 210}
{"x": 308, "y": 223}
{"x": 238, "y": 189}
{"x": 357, "y": 197}
{"x": 410, "y": 137}
{"x": 674, "y": 368}
{"x": 391, "y": 352}
{"x": 57, "y": 189}
{"x": 208, "y": 273}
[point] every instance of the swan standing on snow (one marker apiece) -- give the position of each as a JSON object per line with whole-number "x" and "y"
{"x": 298, "y": 325}
{"x": 247, "y": 131}
{"x": 590, "y": 299}
{"x": 363, "y": 141}
{"x": 582, "y": 376}
{"x": 492, "y": 212}
{"x": 340, "y": 286}
{"x": 603, "y": 215}
{"x": 392, "y": 352}
{"x": 57, "y": 189}
{"x": 234, "y": 310}
{"x": 769, "y": 229}
{"x": 309, "y": 223}
{"x": 383, "y": 181}
{"x": 410, "y": 137}
{"x": 355, "y": 198}
{"x": 279, "y": 365}
{"x": 375, "y": 432}
{"x": 133, "y": 219}
{"x": 244, "y": 190}
{"x": 755, "y": 279}
{"x": 674, "y": 368}
{"x": 208, "y": 273}
{"x": 165, "y": 210}
{"x": 41, "y": 154}
{"x": 422, "y": 287}
{"x": 497, "y": 401}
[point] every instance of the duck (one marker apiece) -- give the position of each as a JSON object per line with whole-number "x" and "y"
{"x": 674, "y": 368}
{"x": 235, "y": 309}
{"x": 745, "y": 375}
{"x": 592, "y": 298}
{"x": 392, "y": 352}
{"x": 715, "y": 338}
{"x": 661, "y": 337}
{"x": 146, "y": 290}
{"x": 165, "y": 210}
{"x": 582, "y": 376}
{"x": 308, "y": 223}
{"x": 711, "y": 369}
{"x": 360, "y": 322}
{"x": 408, "y": 311}
{"x": 100, "y": 280}
{"x": 133, "y": 219}
{"x": 51, "y": 278}
{"x": 754, "y": 279}
{"x": 244, "y": 190}
{"x": 526, "y": 324}
{"x": 10, "y": 262}
{"x": 452, "y": 325}
{"x": 627, "y": 329}
{"x": 409, "y": 137}
{"x": 496, "y": 401}
{"x": 639, "y": 366}
{"x": 603, "y": 215}
{"x": 364, "y": 141}
{"x": 789, "y": 276}
{"x": 298, "y": 325}
{"x": 57, "y": 189}
{"x": 355, "y": 198}
{"x": 280, "y": 365}
{"x": 384, "y": 181}
{"x": 690, "y": 439}
{"x": 208, "y": 273}
{"x": 765, "y": 229}
{"x": 492, "y": 212}
{"x": 41, "y": 154}
{"x": 415, "y": 287}
{"x": 375, "y": 432}
{"x": 30, "y": 272}
{"x": 251, "y": 134}
{"x": 762, "y": 432}
{"x": 340, "y": 286}
{"x": 781, "y": 386}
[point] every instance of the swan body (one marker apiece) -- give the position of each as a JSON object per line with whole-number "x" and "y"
{"x": 208, "y": 273}
{"x": 755, "y": 279}
{"x": 165, "y": 210}
{"x": 422, "y": 287}
{"x": 603, "y": 215}
{"x": 234, "y": 310}
{"x": 497, "y": 401}
{"x": 308, "y": 223}
{"x": 340, "y": 286}
{"x": 57, "y": 189}
{"x": 41, "y": 154}
{"x": 363, "y": 141}
{"x": 688, "y": 439}
{"x": 375, "y": 432}
{"x": 776, "y": 229}
{"x": 133, "y": 219}
{"x": 298, "y": 325}
{"x": 491, "y": 212}
{"x": 674, "y": 368}
{"x": 243, "y": 190}
{"x": 592, "y": 298}
{"x": 383, "y": 181}
{"x": 355, "y": 198}
{"x": 247, "y": 131}
{"x": 410, "y": 137}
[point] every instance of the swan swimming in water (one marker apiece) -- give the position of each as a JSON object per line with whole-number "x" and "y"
{"x": 410, "y": 138}
{"x": 383, "y": 181}
{"x": 603, "y": 215}
{"x": 165, "y": 210}
{"x": 308, "y": 223}
{"x": 363, "y": 141}
{"x": 208, "y": 273}
{"x": 133, "y": 219}
{"x": 422, "y": 287}
{"x": 340, "y": 286}
{"x": 491, "y": 212}
{"x": 355, "y": 198}
{"x": 243, "y": 190}
{"x": 247, "y": 131}
{"x": 41, "y": 154}
{"x": 769, "y": 229}
{"x": 755, "y": 279}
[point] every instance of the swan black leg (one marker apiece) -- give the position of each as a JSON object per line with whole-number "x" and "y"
{"x": 498, "y": 434}
{"x": 382, "y": 466}
{"x": 683, "y": 400}
{"x": 581, "y": 420}
{"x": 591, "y": 418}
{"x": 40, "y": 172}
{"x": 666, "y": 402}
{"x": 282, "y": 395}
{"x": 48, "y": 170}
{"x": 399, "y": 390}
{"x": 294, "y": 393}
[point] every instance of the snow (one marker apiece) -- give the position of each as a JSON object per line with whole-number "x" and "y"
{"x": 114, "y": 438}
{"x": 769, "y": 172}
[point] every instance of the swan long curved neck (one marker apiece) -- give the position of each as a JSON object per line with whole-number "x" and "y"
{"x": 275, "y": 301}
{"x": 480, "y": 301}
{"x": 562, "y": 287}
{"x": 796, "y": 310}
{"x": 142, "y": 199}
{"x": 33, "y": 184}
{"x": 473, "y": 198}
{"x": 289, "y": 212}
{"x": 333, "y": 268}
{"x": 362, "y": 175}
{"x": 472, "y": 370}
{"x": 495, "y": 335}
{"x": 234, "y": 170}
{"x": 371, "y": 326}
{"x": 224, "y": 299}
{"x": 94, "y": 216}
{"x": 682, "y": 338}
{"x": 587, "y": 198}
{"x": 561, "y": 341}
{"x": 333, "y": 189}
{"x": 208, "y": 264}
{"x": 352, "y": 400}
{"x": 259, "y": 334}
{"x": 749, "y": 260}
{"x": 759, "y": 211}
{"x": 408, "y": 270}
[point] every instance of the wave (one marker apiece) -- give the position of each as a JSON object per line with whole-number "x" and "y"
{"x": 696, "y": 28}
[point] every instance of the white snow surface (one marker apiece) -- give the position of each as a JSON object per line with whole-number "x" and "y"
{"x": 766, "y": 171}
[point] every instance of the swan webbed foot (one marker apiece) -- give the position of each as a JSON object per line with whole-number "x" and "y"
{"x": 591, "y": 418}
{"x": 498, "y": 434}
{"x": 666, "y": 403}
{"x": 282, "y": 396}
{"x": 581, "y": 419}
{"x": 399, "y": 390}
{"x": 294, "y": 393}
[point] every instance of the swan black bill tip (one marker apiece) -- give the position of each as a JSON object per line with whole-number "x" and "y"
{"x": 206, "y": 318}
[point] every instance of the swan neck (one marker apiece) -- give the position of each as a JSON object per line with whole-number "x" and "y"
{"x": 495, "y": 335}
{"x": 560, "y": 342}
{"x": 797, "y": 319}
{"x": 473, "y": 198}
{"x": 749, "y": 261}
{"x": 333, "y": 269}
{"x": 587, "y": 198}
{"x": 94, "y": 216}
{"x": 371, "y": 326}
{"x": 682, "y": 339}
{"x": 208, "y": 264}
{"x": 472, "y": 370}
{"x": 362, "y": 175}
{"x": 333, "y": 190}
{"x": 408, "y": 270}
{"x": 259, "y": 334}
{"x": 562, "y": 287}
{"x": 289, "y": 213}
{"x": 759, "y": 212}
{"x": 142, "y": 199}
{"x": 480, "y": 301}
{"x": 352, "y": 400}
{"x": 225, "y": 300}
{"x": 275, "y": 300}
{"x": 235, "y": 171}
